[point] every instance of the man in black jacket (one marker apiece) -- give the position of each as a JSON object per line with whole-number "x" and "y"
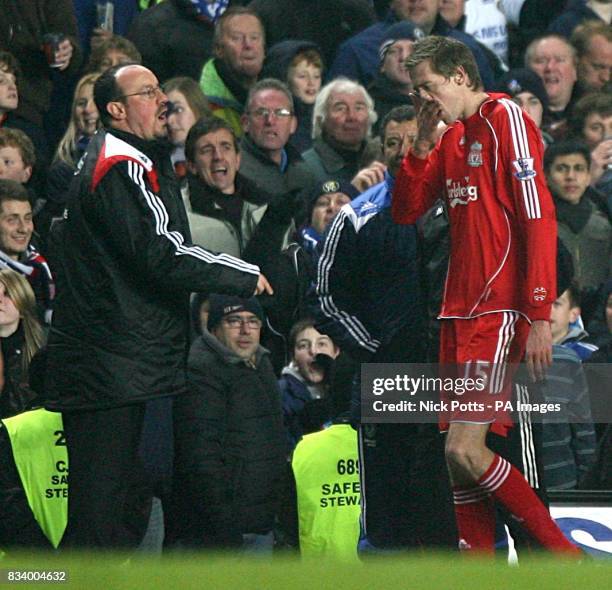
{"x": 230, "y": 440}
{"x": 120, "y": 325}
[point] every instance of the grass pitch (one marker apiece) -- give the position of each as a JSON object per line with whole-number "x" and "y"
{"x": 211, "y": 572}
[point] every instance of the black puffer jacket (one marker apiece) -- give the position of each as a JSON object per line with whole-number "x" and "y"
{"x": 230, "y": 447}
{"x": 172, "y": 40}
{"x": 126, "y": 268}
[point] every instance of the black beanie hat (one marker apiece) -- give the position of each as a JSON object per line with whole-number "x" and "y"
{"x": 523, "y": 80}
{"x": 222, "y": 305}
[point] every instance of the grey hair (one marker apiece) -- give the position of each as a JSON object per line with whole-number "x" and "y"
{"x": 340, "y": 84}
{"x": 269, "y": 84}
{"x": 531, "y": 48}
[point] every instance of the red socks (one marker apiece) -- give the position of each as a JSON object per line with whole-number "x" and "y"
{"x": 504, "y": 483}
{"x": 475, "y": 514}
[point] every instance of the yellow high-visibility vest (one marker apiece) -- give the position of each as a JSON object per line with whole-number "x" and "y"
{"x": 326, "y": 470}
{"x": 39, "y": 451}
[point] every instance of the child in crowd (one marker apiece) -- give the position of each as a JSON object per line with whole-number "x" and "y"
{"x": 305, "y": 382}
{"x": 568, "y": 434}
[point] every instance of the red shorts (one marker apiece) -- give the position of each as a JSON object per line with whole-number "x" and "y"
{"x": 488, "y": 349}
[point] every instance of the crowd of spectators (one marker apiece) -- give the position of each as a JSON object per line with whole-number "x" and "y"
{"x": 281, "y": 114}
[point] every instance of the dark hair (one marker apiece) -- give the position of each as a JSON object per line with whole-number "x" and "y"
{"x": 573, "y": 294}
{"x": 231, "y": 13}
{"x": 9, "y": 64}
{"x": 203, "y": 127}
{"x": 446, "y": 56}
{"x": 17, "y": 139}
{"x": 399, "y": 114}
{"x": 564, "y": 148}
{"x": 269, "y": 84}
{"x": 11, "y": 190}
{"x": 106, "y": 89}
{"x": 593, "y": 102}
{"x": 192, "y": 92}
{"x": 117, "y": 43}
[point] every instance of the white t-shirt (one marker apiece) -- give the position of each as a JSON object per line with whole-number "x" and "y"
{"x": 512, "y": 10}
{"x": 485, "y": 22}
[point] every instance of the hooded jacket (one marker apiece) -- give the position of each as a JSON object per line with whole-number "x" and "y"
{"x": 127, "y": 266}
{"x": 230, "y": 447}
{"x": 277, "y": 64}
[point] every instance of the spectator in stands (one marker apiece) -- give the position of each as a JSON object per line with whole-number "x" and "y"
{"x": 16, "y": 250}
{"x": 584, "y": 230}
{"x": 230, "y": 441}
{"x": 299, "y": 65}
{"x": 343, "y": 118}
{"x": 23, "y": 34}
{"x": 578, "y": 12}
{"x": 593, "y": 43}
{"x": 188, "y": 104}
{"x": 175, "y": 37}
{"x": 553, "y": 58}
{"x": 17, "y": 157}
{"x": 111, "y": 52}
{"x": 568, "y": 448}
{"x": 565, "y": 325}
{"x": 323, "y": 203}
{"x": 527, "y": 90}
{"x": 223, "y": 206}
{"x": 482, "y": 19}
{"x": 267, "y": 158}
{"x": 10, "y": 74}
{"x": 591, "y": 122}
{"x": 325, "y": 23}
{"x": 239, "y": 44}
{"x": 305, "y": 381}
{"x": 21, "y": 336}
{"x": 392, "y": 85}
{"x": 84, "y": 122}
{"x": 357, "y": 58}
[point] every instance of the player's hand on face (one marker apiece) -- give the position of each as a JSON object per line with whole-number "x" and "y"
{"x": 263, "y": 286}
{"x": 538, "y": 354}
{"x": 429, "y": 115}
{"x": 369, "y": 176}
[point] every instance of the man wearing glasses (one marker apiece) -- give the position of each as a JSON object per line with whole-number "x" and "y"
{"x": 126, "y": 268}
{"x": 230, "y": 443}
{"x": 267, "y": 158}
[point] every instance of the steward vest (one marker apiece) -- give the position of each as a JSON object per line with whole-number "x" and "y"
{"x": 41, "y": 458}
{"x": 326, "y": 470}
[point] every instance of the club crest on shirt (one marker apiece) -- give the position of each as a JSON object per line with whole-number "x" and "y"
{"x": 539, "y": 294}
{"x": 475, "y": 156}
{"x": 524, "y": 168}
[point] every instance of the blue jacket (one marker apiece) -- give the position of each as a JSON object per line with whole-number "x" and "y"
{"x": 367, "y": 282}
{"x": 357, "y": 57}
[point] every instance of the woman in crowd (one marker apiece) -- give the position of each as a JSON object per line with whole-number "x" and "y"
{"x": 188, "y": 105}
{"x": 21, "y": 336}
{"x": 299, "y": 65}
{"x": 84, "y": 122}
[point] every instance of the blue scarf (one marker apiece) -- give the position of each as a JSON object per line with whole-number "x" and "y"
{"x": 210, "y": 9}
